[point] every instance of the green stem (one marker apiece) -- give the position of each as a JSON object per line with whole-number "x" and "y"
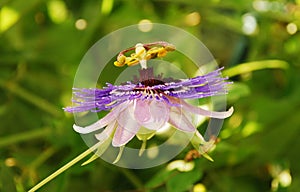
{"x": 255, "y": 65}
{"x": 33, "y": 99}
{"x": 42, "y": 158}
{"x": 24, "y": 136}
{"x": 65, "y": 167}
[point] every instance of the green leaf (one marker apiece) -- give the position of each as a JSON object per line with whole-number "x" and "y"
{"x": 160, "y": 178}
{"x": 183, "y": 181}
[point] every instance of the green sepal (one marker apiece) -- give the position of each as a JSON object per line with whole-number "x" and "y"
{"x": 202, "y": 146}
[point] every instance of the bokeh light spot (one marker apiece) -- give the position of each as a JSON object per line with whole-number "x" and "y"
{"x": 249, "y": 24}
{"x": 8, "y": 17}
{"x": 251, "y": 128}
{"x": 262, "y": 6}
{"x": 199, "y": 188}
{"x": 107, "y": 6}
{"x": 10, "y": 162}
{"x": 291, "y": 28}
{"x": 57, "y": 11}
{"x": 192, "y": 19}
{"x": 285, "y": 178}
{"x": 235, "y": 120}
{"x": 153, "y": 152}
{"x": 81, "y": 24}
{"x": 145, "y": 25}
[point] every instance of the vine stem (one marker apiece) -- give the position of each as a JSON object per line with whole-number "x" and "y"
{"x": 254, "y": 66}
{"x": 65, "y": 167}
{"x": 15, "y": 138}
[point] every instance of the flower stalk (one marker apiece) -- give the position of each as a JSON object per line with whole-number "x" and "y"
{"x": 65, "y": 167}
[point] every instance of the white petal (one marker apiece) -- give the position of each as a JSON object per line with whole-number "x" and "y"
{"x": 180, "y": 121}
{"x": 106, "y": 132}
{"x": 127, "y": 128}
{"x": 153, "y": 115}
{"x": 102, "y": 122}
{"x": 95, "y": 126}
{"x": 200, "y": 111}
{"x": 126, "y": 119}
{"x": 160, "y": 114}
{"x": 142, "y": 111}
{"x": 123, "y": 135}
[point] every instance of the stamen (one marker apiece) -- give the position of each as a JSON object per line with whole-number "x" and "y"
{"x": 143, "y": 52}
{"x": 140, "y": 52}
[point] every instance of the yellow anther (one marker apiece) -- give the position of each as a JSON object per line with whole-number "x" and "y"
{"x": 121, "y": 61}
{"x": 144, "y": 52}
{"x": 170, "y": 48}
{"x": 161, "y": 53}
{"x": 132, "y": 61}
{"x": 152, "y": 53}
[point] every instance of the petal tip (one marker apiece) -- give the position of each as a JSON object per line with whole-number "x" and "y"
{"x": 78, "y": 129}
{"x": 230, "y": 111}
{"x": 205, "y": 155}
{"x": 116, "y": 143}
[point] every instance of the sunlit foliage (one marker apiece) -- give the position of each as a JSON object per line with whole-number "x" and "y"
{"x": 42, "y": 43}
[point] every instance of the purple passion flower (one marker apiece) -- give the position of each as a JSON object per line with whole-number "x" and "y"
{"x": 143, "y": 106}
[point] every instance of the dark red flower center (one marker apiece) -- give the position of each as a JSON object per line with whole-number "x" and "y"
{"x": 152, "y": 82}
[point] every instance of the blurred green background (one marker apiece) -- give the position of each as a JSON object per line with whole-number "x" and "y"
{"x": 43, "y": 41}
